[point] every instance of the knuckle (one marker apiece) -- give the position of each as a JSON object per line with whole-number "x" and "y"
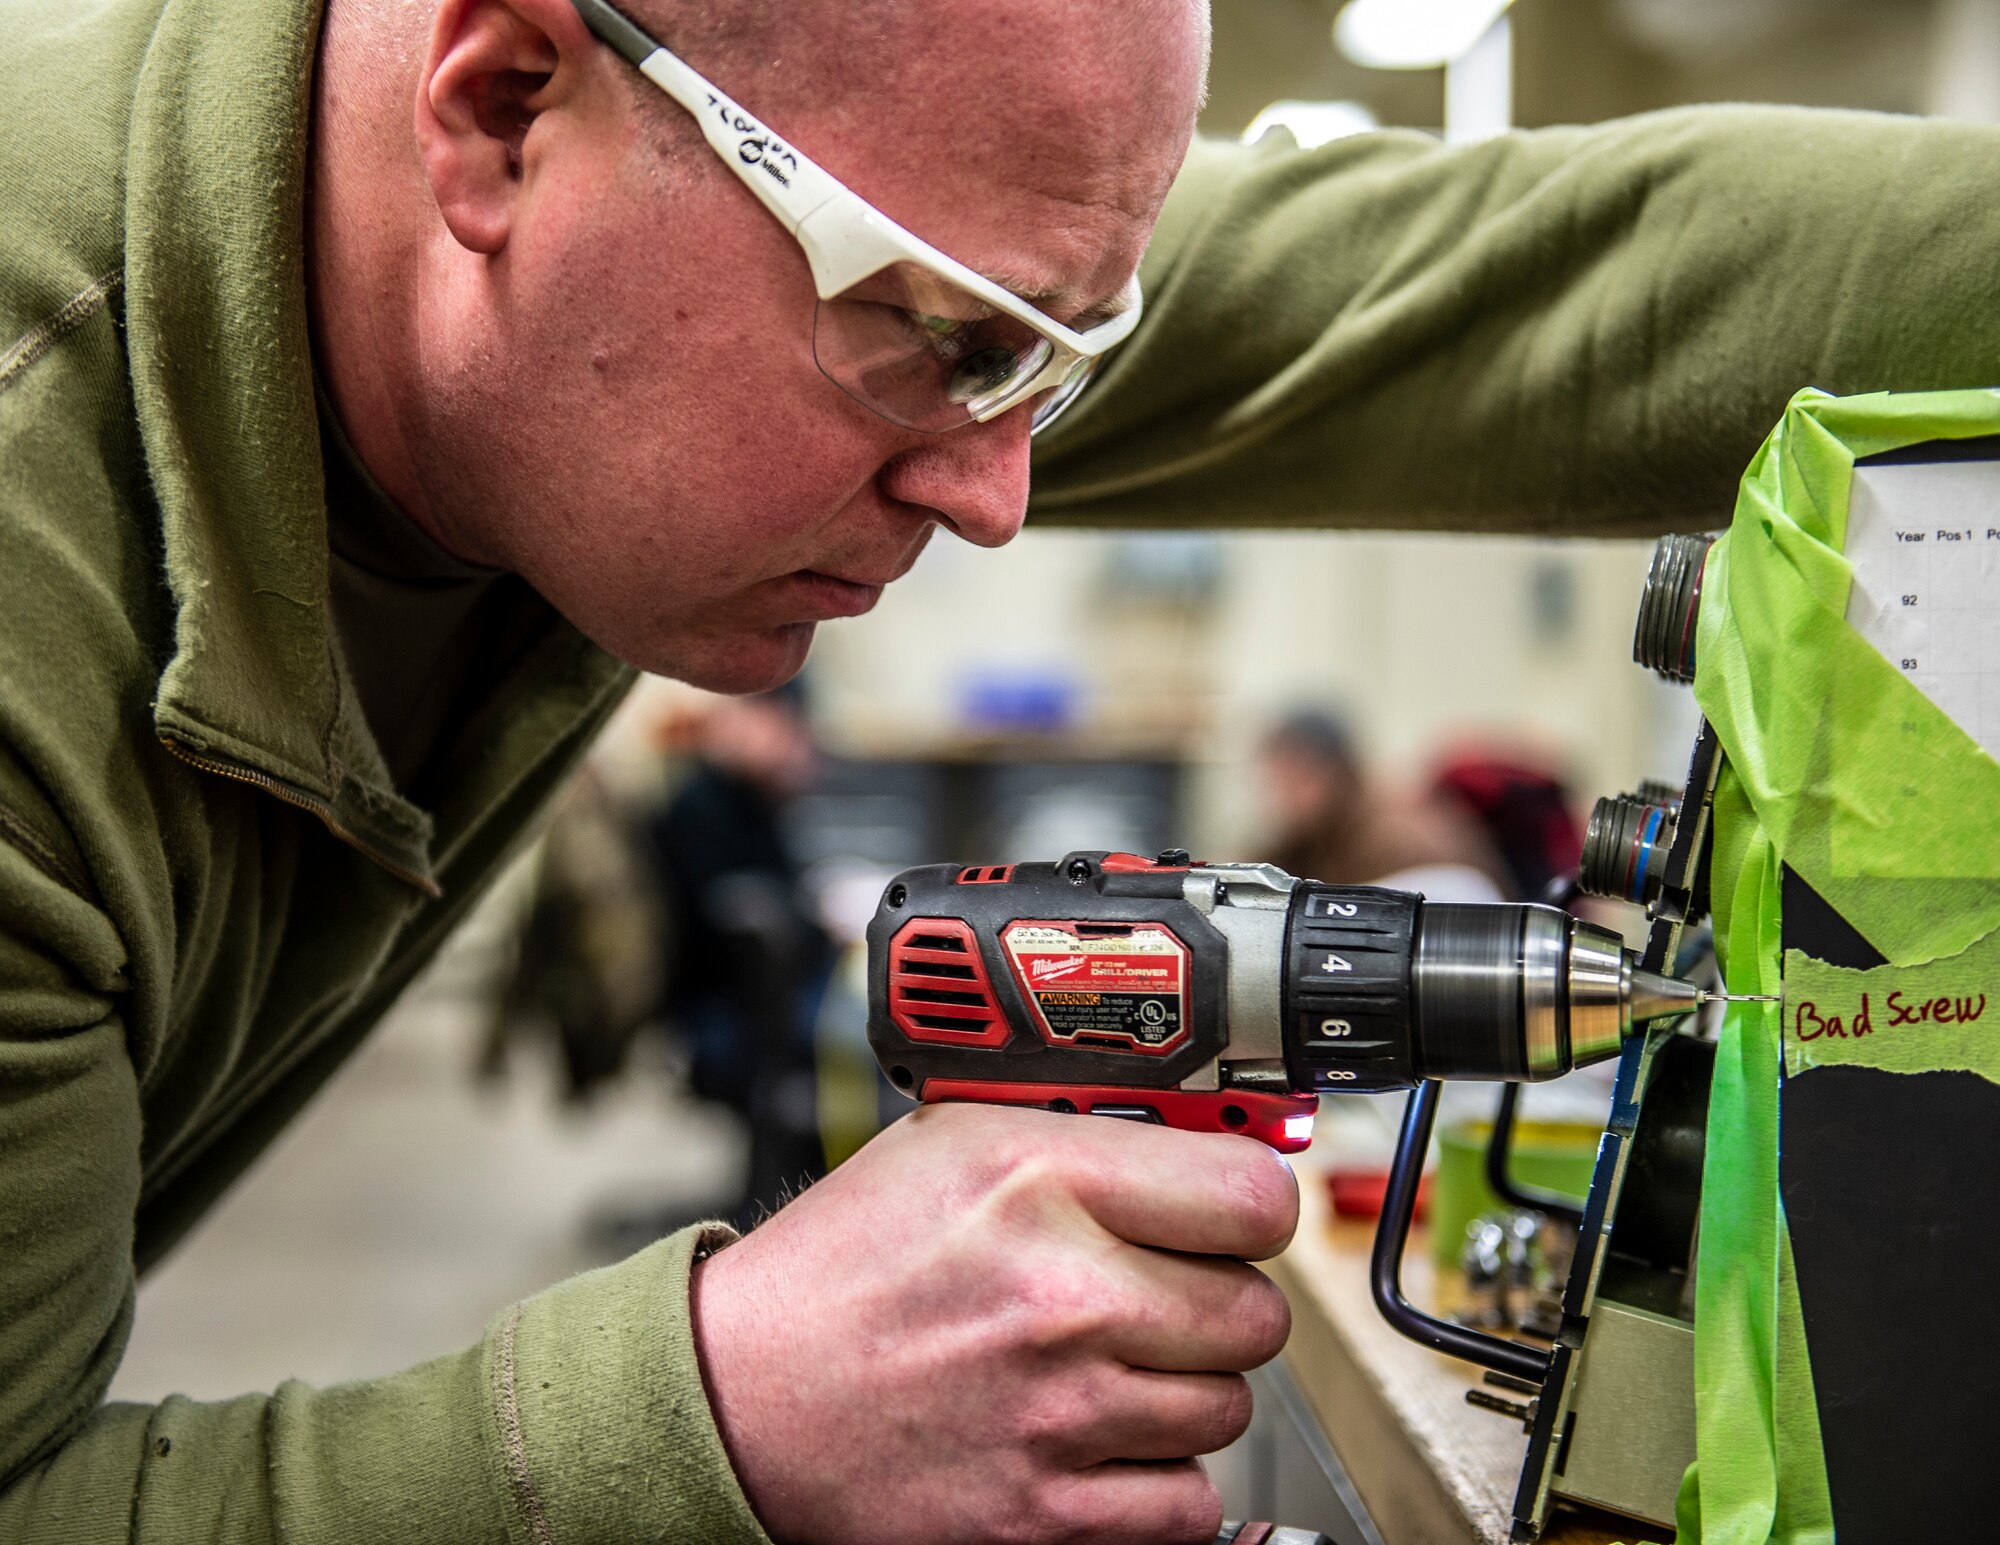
{"x": 1023, "y": 1181}
{"x": 1051, "y": 1513}
{"x": 1058, "y": 1413}
{"x": 1061, "y": 1308}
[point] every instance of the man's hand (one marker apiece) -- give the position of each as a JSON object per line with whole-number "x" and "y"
{"x": 999, "y": 1326}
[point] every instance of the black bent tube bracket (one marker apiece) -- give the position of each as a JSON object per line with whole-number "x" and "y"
{"x": 1503, "y": 1185}
{"x": 1392, "y": 1233}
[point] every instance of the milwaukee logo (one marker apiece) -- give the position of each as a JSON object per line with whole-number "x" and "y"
{"x": 1049, "y": 970}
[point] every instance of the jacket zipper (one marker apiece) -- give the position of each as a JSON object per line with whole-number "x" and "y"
{"x": 306, "y": 802}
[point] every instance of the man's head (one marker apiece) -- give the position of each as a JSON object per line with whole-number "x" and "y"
{"x": 568, "y": 339}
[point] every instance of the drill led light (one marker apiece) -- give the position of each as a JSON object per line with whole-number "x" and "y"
{"x": 1298, "y": 1129}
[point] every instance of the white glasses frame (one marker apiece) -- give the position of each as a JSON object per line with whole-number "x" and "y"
{"x": 844, "y": 237}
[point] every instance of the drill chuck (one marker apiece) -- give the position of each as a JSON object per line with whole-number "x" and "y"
{"x": 1386, "y": 989}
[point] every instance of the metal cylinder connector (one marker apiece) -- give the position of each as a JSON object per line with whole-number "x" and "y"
{"x": 1599, "y": 993}
{"x": 1664, "y": 639}
{"x": 1625, "y": 848}
{"x": 1657, "y": 791}
{"x": 1526, "y": 992}
{"x": 1487, "y": 992}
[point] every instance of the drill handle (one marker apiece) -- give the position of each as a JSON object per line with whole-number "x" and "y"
{"x": 1282, "y": 1121}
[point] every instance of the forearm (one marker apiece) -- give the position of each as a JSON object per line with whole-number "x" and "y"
{"x": 580, "y": 1418}
{"x": 383, "y": 1459}
{"x": 1581, "y": 331}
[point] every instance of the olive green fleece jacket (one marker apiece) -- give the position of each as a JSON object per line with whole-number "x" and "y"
{"x": 209, "y": 888}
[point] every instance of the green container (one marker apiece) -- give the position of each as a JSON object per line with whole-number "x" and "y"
{"x": 1549, "y": 1155}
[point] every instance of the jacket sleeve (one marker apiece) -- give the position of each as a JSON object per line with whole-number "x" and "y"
{"x": 1578, "y": 330}
{"x": 579, "y": 1419}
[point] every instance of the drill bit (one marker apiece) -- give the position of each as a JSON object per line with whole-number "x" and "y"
{"x": 1652, "y": 996}
{"x": 1740, "y": 997}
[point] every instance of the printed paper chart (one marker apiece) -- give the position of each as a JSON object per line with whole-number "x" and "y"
{"x": 1924, "y": 539}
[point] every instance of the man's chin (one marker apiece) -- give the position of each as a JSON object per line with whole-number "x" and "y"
{"x": 736, "y": 663}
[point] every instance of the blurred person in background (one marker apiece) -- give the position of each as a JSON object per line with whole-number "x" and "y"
{"x": 586, "y": 967}
{"x": 747, "y": 958}
{"x": 1334, "y": 819}
{"x": 1526, "y": 812}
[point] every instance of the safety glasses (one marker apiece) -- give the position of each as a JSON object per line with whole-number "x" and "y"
{"x": 904, "y": 330}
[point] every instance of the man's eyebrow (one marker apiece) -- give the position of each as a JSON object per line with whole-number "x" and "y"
{"x": 1056, "y": 301}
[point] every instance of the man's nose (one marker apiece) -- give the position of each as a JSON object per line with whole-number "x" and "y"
{"x": 974, "y": 479}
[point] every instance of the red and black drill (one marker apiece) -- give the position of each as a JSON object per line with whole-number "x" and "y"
{"x": 1228, "y": 997}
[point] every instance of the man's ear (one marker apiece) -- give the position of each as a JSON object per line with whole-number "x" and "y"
{"x": 494, "y": 66}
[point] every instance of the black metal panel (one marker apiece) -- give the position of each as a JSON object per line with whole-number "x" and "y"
{"x": 1888, "y": 1180}
{"x": 1661, "y": 1202}
{"x": 1889, "y": 1183}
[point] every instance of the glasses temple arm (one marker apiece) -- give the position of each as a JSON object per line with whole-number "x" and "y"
{"x": 613, "y": 29}
{"x": 786, "y": 181}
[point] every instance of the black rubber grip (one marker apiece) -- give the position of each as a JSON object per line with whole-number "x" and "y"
{"x": 1347, "y": 988}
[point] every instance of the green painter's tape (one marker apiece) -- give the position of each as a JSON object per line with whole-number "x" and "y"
{"x": 1840, "y": 768}
{"x": 1757, "y": 1473}
{"x": 1861, "y": 780}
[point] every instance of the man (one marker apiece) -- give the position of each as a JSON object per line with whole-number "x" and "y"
{"x": 1333, "y": 818}
{"x": 283, "y": 683}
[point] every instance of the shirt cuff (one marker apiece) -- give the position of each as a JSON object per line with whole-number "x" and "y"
{"x": 602, "y": 1422}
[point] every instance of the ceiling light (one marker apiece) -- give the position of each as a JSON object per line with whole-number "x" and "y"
{"x": 1413, "y": 34}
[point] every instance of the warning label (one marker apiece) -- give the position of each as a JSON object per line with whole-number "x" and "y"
{"x": 1122, "y": 987}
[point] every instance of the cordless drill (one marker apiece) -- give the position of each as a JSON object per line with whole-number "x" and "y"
{"x": 1228, "y": 997}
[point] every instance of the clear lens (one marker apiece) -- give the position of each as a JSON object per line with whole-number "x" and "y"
{"x": 920, "y": 351}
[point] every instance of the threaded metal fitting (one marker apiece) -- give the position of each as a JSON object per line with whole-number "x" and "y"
{"x": 1660, "y": 792}
{"x": 1625, "y": 848}
{"x": 1664, "y": 639}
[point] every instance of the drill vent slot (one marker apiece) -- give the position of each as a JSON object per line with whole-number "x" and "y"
{"x": 947, "y": 943}
{"x": 937, "y": 1022}
{"x": 970, "y": 1000}
{"x": 955, "y": 973}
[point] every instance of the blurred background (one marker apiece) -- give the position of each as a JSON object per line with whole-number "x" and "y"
{"x": 655, "y": 1018}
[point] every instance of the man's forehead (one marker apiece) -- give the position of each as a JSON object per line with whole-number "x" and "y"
{"x": 1014, "y": 135}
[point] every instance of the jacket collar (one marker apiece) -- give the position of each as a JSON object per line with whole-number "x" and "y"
{"x": 222, "y": 376}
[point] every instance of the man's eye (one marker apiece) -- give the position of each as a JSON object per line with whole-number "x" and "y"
{"x": 945, "y": 337}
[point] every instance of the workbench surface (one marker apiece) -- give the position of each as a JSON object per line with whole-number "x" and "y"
{"x": 1431, "y": 1469}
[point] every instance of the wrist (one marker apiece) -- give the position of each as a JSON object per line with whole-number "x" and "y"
{"x": 713, "y": 1293}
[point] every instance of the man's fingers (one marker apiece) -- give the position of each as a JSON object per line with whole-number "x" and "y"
{"x": 1148, "y": 1415}
{"x": 1121, "y": 1503}
{"x": 1196, "y": 1314}
{"x": 1201, "y": 1193}
{"x": 1205, "y": 1193}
